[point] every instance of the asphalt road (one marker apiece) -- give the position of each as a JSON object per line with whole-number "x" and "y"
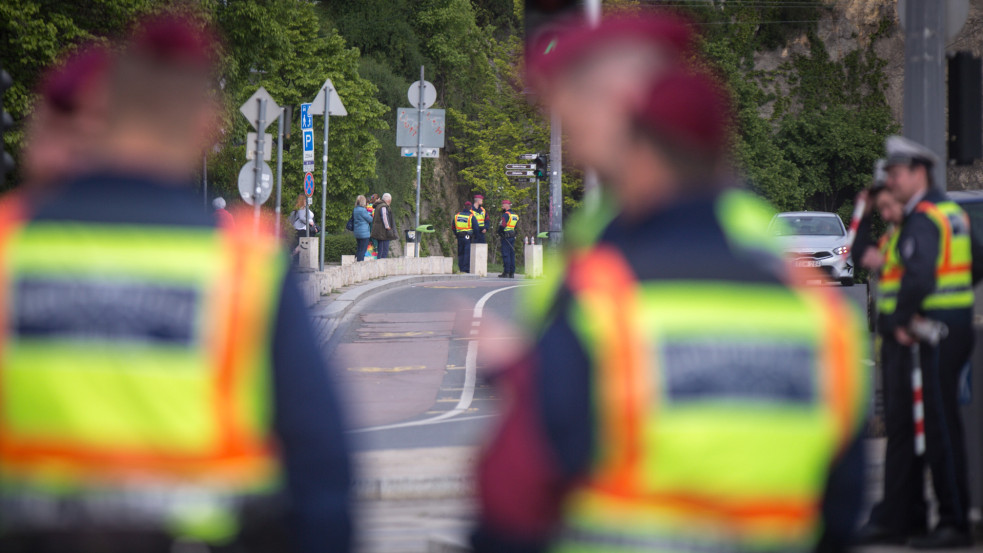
{"x": 402, "y": 360}
{"x": 410, "y": 367}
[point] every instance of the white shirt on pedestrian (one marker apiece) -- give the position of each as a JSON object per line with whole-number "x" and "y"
{"x": 297, "y": 217}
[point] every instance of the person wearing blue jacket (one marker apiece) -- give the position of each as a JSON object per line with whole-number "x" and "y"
{"x": 363, "y": 227}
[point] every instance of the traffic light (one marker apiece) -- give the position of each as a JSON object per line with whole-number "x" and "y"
{"x": 6, "y": 122}
{"x": 541, "y": 167}
{"x": 965, "y": 108}
{"x": 542, "y": 17}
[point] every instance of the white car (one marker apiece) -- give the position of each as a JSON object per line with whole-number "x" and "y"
{"x": 815, "y": 239}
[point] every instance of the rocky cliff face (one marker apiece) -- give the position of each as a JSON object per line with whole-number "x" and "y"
{"x": 853, "y": 24}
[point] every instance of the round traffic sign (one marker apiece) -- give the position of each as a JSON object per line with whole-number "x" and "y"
{"x": 309, "y": 185}
{"x": 249, "y": 188}
{"x": 429, "y": 94}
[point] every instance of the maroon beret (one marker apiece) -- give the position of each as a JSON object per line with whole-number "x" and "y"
{"x": 572, "y": 41}
{"x": 691, "y": 109}
{"x": 64, "y": 85}
{"x": 467, "y": 204}
{"x": 175, "y": 39}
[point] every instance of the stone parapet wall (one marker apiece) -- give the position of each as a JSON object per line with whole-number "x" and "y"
{"x": 321, "y": 283}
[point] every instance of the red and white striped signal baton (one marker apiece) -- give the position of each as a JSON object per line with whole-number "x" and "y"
{"x": 930, "y": 332}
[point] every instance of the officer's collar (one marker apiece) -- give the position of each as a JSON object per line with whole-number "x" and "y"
{"x": 914, "y": 201}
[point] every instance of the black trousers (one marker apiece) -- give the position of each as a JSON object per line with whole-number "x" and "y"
{"x": 508, "y": 253}
{"x": 903, "y": 508}
{"x": 464, "y": 252}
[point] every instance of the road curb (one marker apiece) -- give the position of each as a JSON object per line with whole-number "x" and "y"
{"x": 409, "y": 487}
{"x": 328, "y": 313}
{"x": 340, "y": 306}
{"x": 415, "y": 473}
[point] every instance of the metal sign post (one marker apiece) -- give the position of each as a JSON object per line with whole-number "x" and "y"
{"x": 308, "y": 191}
{"x": 419, "y": 158}
{"x": 259, "y": 110}
{"x": 279, "y": 169}
{"x": 258, "y": 168}
{"x": 328, "y": 103}
{"x": 324, "y": 175}
{"x": 538, "y": 206}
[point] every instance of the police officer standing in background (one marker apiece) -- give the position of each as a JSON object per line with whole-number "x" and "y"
{"x": 656, "y": 410}
{"x": 934, "y": 281}
{"x": 901, "y": 513}
{"x": 506, "y": 230}
{"x": 159, "y": 377}
{"x": 464, "y": 229}
{"x": 480, "y": 220}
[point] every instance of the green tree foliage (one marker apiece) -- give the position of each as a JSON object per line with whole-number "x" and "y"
{"x": 287, "y": 46}
{"x": 806, "y": 133}
{"x": 828, "y": 117}
{"x": 288, "y": 49}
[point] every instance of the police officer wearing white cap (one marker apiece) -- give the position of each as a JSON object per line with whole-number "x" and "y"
{"x": 933, "y": 278}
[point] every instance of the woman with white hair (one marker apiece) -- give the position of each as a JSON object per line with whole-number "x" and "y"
{"x": 222, "y": 217}
{"x": 384, "y": 224}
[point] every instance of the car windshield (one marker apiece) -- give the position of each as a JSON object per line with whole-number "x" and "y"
{"x": 806, "y": 225}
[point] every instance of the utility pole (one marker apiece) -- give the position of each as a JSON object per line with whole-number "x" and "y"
{"x": 924, "y": 79}
{"x": 279, "y": 169}
{"x": 592, "y": 185}
{"x": 556, "y": 187}
{"x": 419, "y": 165}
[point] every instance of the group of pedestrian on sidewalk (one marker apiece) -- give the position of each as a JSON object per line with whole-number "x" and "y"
{"x": 374, "y": 225}
{"x": 471, "y": 227}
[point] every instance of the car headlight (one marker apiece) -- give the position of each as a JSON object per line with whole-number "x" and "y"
{"x": 842, "y": 250}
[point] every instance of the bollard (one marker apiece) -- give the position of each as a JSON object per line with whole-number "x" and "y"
{"x": 308, "y": 253}
{"x": 479, "y": 259}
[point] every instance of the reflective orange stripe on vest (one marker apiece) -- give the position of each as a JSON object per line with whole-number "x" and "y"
{"x": 947, "y": 266}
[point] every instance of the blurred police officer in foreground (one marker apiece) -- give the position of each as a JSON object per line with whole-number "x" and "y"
{"x": 506, "y": 232}
{"x": 599, "y": 71}
{"x": 689, "y": 394}
{"x": 159, "y": 380}
{"x": 932, "y": 279}
{"x": 464, "y": 228}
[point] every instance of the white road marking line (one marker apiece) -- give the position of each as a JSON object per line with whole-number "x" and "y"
{"x": 475, "y": 323}
{"x": 470, "y": 376}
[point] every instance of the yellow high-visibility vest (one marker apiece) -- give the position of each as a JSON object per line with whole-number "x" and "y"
{"x": 700, "y": 388}
{"x": 135, "y": 367}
